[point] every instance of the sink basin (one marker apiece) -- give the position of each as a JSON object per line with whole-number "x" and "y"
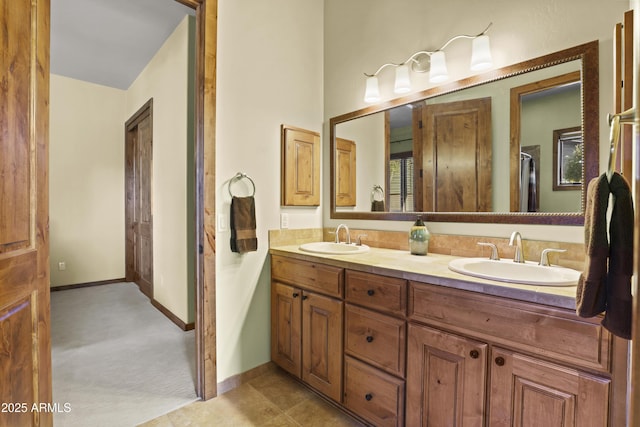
{"x": 529, "y": 273}
{"x": 332, "y": 248}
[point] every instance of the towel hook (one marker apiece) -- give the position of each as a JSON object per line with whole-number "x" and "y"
{"x": 239, "y": 176}
{"x": 615, "y": 120}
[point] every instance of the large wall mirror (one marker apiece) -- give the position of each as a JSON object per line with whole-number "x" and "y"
{"x": 514, "y": 145}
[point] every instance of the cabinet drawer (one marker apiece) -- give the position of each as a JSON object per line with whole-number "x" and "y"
{"x": 325, "y": 279}
{"x": 374, "y": 395}
{"x": 375, "y": 338}
{"x": 380, "y": 292}
{"x": 545, "y": 331}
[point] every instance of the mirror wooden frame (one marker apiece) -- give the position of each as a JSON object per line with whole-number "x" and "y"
{"x": 587, "y": 53}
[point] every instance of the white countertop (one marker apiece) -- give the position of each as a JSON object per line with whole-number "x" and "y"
{"x": 433, "y": 269}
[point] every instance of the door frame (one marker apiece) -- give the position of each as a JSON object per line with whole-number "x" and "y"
{"x": 205, "y": 188}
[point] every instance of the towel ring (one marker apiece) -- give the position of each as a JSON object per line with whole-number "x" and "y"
{"x": 377, "y": 189}
{"x": 239, "y": 176}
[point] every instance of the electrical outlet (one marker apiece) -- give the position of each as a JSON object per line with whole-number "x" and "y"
{"x": 284, "y": 220}
{"x": 62, "y": 266}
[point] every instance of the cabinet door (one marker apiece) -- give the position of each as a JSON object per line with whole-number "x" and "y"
{"x": 322, "y": 344}
{"x": 529, "y": 392}
{"x": 286, "y": 323}
{"x": 446, "y": 377}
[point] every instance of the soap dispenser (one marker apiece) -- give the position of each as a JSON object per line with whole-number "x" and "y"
{"x": 419, "y": 238}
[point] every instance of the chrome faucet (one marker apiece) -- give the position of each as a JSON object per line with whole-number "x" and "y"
{"x": 516, "y": 240}
{"x": 544, "y": 256}
{"x": 346, "y": 229}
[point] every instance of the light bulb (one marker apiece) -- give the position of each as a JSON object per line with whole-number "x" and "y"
{"x": 403, "y": 81}
{"x": 438, "y": 72}
{"x": 481, "y": 53}
{"x": 372, "y": 93}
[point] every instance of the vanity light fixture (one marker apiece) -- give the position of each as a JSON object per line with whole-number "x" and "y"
{"x": 432, "y": 61}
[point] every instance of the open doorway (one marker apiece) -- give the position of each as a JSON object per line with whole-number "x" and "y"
{"x": 92, "y": 173}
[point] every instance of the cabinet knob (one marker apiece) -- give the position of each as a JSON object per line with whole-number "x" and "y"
{"x": 370, "y": 292}
{"x": 474, "y": 354}
{"x": 304, "y": 297}
{"x": 369, "y": 338}
{"x": 500, "y": 361}
{"x": 295, "y": 295}
{"x": 368, "y": 396}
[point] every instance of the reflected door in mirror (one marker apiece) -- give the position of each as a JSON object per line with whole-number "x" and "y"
{"x": 454, "y": 146}
{"x": 345, "y": 172}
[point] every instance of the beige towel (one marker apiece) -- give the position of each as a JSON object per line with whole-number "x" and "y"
{"x": 591, "y": 294}
{"x": 618, "y": 317}
{"x": 243, "y": 224}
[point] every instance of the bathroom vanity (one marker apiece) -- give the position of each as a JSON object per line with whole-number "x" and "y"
{"x": 396, "y": 340}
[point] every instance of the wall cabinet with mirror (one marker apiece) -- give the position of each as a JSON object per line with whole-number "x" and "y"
{"x": 483, "y": 149}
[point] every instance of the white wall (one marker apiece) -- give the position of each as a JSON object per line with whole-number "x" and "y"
{"x": 270, "y": 70}
{"x": 165, "y": 79}
{"x": 86, "y": 166}
{"x": 361, "y": 35}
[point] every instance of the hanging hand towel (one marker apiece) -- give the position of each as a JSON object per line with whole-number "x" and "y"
{"x": 243, "y": 224}
{"x": 617, "y": 318}
{"x": 377, "y": 206}
{"x": 590, "y": 293}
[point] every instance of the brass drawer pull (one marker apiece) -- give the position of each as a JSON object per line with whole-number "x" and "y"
{"x": 368, "y": 396}
{"x": 370, "y": 292}
{"x": 369, "y": 338}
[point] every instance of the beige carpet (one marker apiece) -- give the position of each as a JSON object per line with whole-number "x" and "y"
{"x": 117, "y": 361}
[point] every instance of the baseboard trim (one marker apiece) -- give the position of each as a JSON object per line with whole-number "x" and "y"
{"x": 86, "y": 285}
{"x": 175, "y": 319}
{"x": 237, "y": 380}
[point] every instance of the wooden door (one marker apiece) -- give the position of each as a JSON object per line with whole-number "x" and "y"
{"x": 286, "y": 325}
{"x": 446, "y": 377}
{"x": 322, "y": 344}
{"x": 456, "y": 156}
{"x": 139, "y": 215}
{"x": 527, "y": 392}
{"x": 345, "y": 172}
{"x": 25, "y": 347}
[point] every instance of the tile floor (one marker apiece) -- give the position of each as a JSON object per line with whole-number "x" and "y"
{"x": 272, "y": 399}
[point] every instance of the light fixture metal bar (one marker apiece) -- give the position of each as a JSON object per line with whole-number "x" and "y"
{"x": 428, "y": 53}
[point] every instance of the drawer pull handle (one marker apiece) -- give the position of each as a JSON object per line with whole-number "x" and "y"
{"x": 369, "y": 338}
{"x": 500, "y": 361}
{"x": 304, "y": 297}
{"x": 295, "y": 295}
{"x": 370, "y": 292}
{"x": 474, "y": 354}
{"x": 368, "y": 396}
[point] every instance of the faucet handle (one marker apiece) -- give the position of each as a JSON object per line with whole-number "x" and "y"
{"x": 544, "y": 256}
{"x": 494, "y": 250}
{"x": 359, "y": 239}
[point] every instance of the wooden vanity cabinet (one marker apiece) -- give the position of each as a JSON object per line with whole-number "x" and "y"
{"x": 396, "y": 352}
{"x": 375, "y": 347}
{"x": 539, "y": 366}
{"x": 306, "y": 326}
{"x": 446, "y": 379}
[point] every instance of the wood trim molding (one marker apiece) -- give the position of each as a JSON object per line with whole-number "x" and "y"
{"x": 244, "y": 377}
{"x": 175, "y": 319}
{"x": 86, "y": 284}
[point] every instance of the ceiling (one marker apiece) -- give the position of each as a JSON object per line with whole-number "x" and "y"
{"x": 109, "y": 42}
